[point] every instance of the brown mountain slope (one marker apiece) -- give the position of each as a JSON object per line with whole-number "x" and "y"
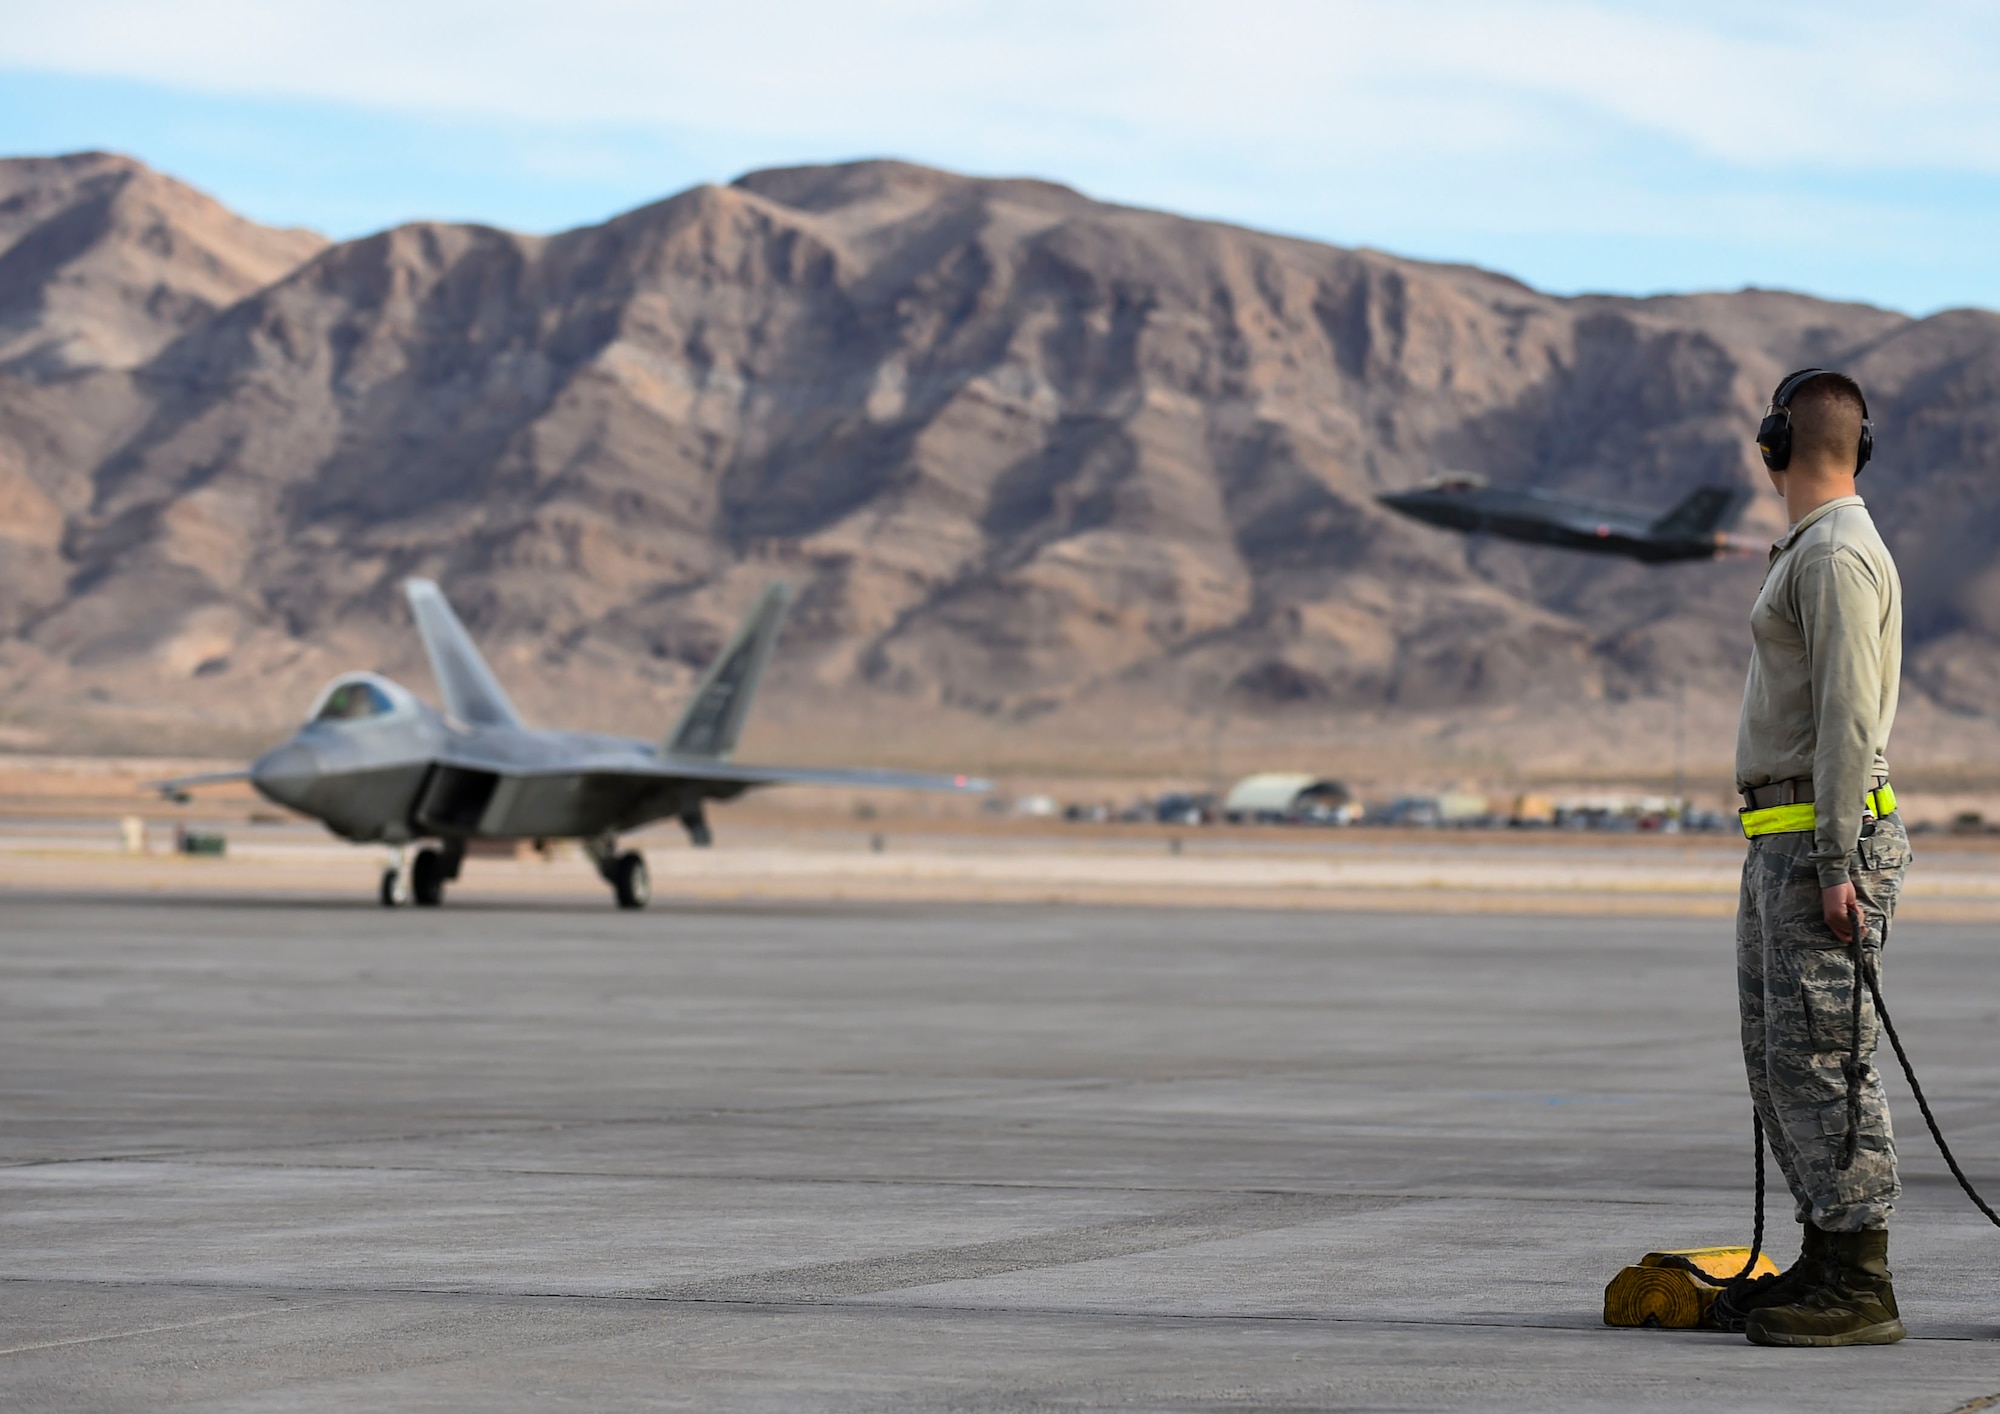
{"x": 103, "y": 261}
{"x": 1045, "y": 470}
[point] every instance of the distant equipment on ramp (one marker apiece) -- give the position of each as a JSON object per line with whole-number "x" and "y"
{"x": 1696, "y": 529}
{"x": 376, "y": 765}
{"x": 1272, "y": 797}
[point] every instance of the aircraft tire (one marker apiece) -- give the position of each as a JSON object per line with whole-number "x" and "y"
{"x": 629, "y": 878}
{"x": 427, "y": 874}
{"x": 392, "y": 888}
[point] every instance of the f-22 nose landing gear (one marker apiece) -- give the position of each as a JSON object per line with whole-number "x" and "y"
{"x": 422, "y": 881}
{"x": 626, "y": 872}
{"x": 395, "y": 890}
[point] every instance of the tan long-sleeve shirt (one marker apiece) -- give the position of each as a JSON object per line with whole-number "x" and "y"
{"x": 1825, "y": 668}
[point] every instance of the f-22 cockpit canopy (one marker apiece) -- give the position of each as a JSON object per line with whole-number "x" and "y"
{"x": 360, "y": 697}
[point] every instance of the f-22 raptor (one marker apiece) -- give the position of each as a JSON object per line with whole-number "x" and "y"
{"x": 376, "y": 765}
{"x": 1696, "y": 529}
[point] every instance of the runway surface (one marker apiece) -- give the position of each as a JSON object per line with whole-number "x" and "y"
{"x": 318, "y": 1155}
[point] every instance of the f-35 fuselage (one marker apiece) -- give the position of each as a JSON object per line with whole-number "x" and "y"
{"x": 1696, "y": 529}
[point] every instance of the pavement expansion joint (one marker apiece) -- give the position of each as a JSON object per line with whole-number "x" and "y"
{"x": 1156, "y": 1232}
{"x": 297, "y": 1297}
{"x": 230, "y": 1318}
{"x": 228, "y": 1158}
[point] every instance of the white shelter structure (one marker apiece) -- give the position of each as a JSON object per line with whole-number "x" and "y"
{"x": 1274, "y": 796}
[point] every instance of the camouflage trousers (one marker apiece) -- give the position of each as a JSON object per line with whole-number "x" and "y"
{"x": 1795, "y": 984}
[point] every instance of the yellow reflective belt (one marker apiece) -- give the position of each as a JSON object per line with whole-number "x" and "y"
{"x": 1777, "y": 820}
{"x": 1790, "y": 819}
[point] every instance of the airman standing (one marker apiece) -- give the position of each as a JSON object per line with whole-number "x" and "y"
{"x": 1825, "y": 840}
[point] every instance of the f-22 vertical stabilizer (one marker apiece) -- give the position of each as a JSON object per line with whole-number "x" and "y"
{"x": 471, "y": 693}
{"x": 714, "y": 718}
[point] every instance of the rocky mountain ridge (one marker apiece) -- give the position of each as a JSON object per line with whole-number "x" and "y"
{"x": 1045, "y": 471}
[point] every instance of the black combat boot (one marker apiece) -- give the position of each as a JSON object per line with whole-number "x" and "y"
{"x": 1853, "y": 1305}
{"x": 1736, "y": 1303}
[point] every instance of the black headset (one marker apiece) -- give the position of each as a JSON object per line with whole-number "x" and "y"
{"x": 1774, "y": 433}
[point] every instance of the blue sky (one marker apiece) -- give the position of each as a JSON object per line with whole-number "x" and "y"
{"x": 1844, "y": 149}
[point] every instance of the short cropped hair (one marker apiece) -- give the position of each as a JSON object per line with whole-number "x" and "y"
{"x": 1827, "y": 410}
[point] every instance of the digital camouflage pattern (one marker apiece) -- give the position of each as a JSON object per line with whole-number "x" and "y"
{"x": 1796, "y": 983}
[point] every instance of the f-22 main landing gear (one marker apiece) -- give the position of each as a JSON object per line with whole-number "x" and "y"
{"x": 626, "y": 872}
{"x": 422, "y": 883}
{"x": 420, "y": 879}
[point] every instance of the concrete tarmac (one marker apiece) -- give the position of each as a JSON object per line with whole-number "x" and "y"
{"x": 315, "y": 1155}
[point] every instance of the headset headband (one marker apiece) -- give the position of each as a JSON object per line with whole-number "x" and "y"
{"x": 1774, "y": 434}
{"x": 1793, "y": 381}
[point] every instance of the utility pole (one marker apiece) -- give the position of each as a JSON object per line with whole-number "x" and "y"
{"x": 1216, "y": 784}
{"x": 1680, "y": 753}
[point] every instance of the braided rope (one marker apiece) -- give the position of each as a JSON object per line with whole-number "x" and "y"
{"x": 1910, "y": 1074}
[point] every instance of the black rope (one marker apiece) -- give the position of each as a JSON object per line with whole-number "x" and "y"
{"x": 1910, "y": 1074}
{"x": 1723, "y": 1312}
{"x": 1757, "y": 1230}
{"x": 1865, "y": 974}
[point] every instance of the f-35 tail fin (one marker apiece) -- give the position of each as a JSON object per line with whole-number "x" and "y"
{"x": 471, "y": 692}
{"x": 1705, "y": 511}
{"x": 714, "y": 717}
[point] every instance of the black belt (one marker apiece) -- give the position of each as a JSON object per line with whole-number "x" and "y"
{"x": 1797, "y": 791}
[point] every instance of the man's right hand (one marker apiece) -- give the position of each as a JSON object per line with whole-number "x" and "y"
{"x": 1837, "y": 904}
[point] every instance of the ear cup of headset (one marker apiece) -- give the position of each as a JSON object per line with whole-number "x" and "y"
{"x": 1774, "y": 439}
{"x": 1774, "y": 433}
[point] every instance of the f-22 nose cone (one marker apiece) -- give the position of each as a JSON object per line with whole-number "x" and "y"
{"x": 286, "y": 773}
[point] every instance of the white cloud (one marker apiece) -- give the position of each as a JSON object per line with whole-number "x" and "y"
{"x": 1640, "y": 145}
{"x": 1324, "y": 85}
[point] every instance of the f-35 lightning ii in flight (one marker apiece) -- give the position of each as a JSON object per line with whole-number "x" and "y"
{"x": 374, "y": 764}
{"x": 1696, "y": 529}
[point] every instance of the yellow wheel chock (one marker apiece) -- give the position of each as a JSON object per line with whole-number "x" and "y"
{"x": 1673, "y": 1290}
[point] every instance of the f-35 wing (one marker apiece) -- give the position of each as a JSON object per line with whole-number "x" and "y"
{"x": 1706, "y": 510}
